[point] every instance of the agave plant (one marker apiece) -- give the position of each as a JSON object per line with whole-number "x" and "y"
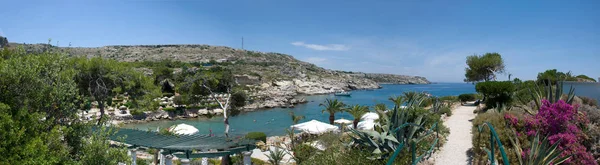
{"x": 394, "y": 132}
{"x": 538, "y": 95}
{"x": 540, "y": 153}
{"x": 276, "y": 156}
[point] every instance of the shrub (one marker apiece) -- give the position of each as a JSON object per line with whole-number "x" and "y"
{"x": 561, "y": 121}
{"x": 466, "y": 97}
{"x": 257, "y": 136}
{"x": 499, "y": 121}
{"x": 213, "y": 106}
{"x": 446, "y": 110}
{"x": 303, "y": 152}
{"x": 588, "y": 101}
{"x": 167, "y": 94}
{"x": 169, "y": 109}
{"x": 449, "y": 98}
{"x": 136, "y": 112}
{"x": 496, "y": 92}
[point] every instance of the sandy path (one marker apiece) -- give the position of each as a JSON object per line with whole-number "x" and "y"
{"x": 459, "y": 141}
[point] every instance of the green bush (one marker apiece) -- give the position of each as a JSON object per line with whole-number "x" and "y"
{"x": 466, "y": 97}
{"x": 482, "y": 140}
{"x": 446, "y": 110}
{"x": 213, "y": 106}
{"x": 257, "y": 136}
{"x": 303, "y": 152}
{"x": 449, "y": 98}
{"x": 136, "y": 112}
{"x": 169, "y": 109}
{"x": 496, "y": 92}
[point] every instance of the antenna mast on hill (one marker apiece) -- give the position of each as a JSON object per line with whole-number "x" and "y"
{"x": 242, "y": 43}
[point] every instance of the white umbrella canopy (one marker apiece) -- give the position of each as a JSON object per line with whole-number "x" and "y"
{"x": 370, "y": 116}
{"x": 315, "y": 127}
{"x": 364, "y": 125}
{"x": 342, "y": 121}
{"x": 183, "y": 129}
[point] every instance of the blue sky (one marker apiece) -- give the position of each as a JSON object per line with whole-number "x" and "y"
{"x": 425, "y": 38}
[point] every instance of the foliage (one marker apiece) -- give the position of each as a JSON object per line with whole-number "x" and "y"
{"x": 403, "y": 127}
{"x": 295, "y": 118}
{"x": 496, "y": 93}
{"x": 540, "y": 152}
{"x": 276, "y": 156}
{"x": 538, "y": 94}
{"x": 101, "y": 79}
{"x": 357, "y": 111}
{"x": 585, "y": 78}
{"x": 257, "y": 136}
{"x": 97, "y": 150}
{"x": 561, "y": 121}
{"x": 499, "y": 121}
{"x": 169, "y": 109}
{"x": 484, "y": 67}
{"x": 450, "y": 98}
{"x": 332, "y": 107}
{"x": 238, "y": 99}
{"x": 303, "y": 152}
{"x": 588, "y": 101}
{"x": 466, "y": 97}
{"x": 552, "y": 76}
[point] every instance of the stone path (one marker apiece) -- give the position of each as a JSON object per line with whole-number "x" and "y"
{"x": 454, "y": 152}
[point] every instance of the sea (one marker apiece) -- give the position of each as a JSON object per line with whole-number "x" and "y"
{"x": 275, "y": 121}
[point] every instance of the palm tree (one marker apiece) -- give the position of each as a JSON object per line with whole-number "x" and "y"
{"x": 380, "y": 107}
{"x": 398, "y": 101}
{"x": 295, "y": 119}
{"x": 357, "y": 111}
{"x": 332, "y": 107}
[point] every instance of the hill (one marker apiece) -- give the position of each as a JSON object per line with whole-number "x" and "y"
{"x": 277, "y": 77}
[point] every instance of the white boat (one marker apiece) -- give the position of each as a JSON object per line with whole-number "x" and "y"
{"x": 344, "y": 93}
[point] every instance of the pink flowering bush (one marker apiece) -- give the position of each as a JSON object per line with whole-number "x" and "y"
{"x": 559, "y": 121}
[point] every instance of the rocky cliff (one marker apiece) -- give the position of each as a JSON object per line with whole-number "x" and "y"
{"x": 393, "y": 79}
{"x": 275, "y": 79}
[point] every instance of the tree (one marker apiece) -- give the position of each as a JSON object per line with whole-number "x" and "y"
{"x": 332, "y": 107}
{"x": 483, "y": 68}
{"x": 552, "y": 76}
{"x": 357, "y": 111}
{"x": 38, "y": 113}
{"x": 101, "y": 79}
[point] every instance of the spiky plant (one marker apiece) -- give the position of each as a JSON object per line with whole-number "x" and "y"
{"x": 332, "y": 107}
{"x": 394, "y": 132}
{"x": 295, "y": 118}
{"x": 357, "y": 111}
{"x": 540, "y": 153}
{"x": 538, "y": 95}
{"x": 276, "y": 156}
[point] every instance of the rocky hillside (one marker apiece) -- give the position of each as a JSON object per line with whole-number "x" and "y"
{"x": 393, "y": 79}
{"x": 276, "y": 78}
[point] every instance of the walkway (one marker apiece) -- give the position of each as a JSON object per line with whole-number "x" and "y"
{"x": 459, "y": 142}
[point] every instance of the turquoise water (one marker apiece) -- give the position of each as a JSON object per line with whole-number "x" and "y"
{"x": 275, "y": 121}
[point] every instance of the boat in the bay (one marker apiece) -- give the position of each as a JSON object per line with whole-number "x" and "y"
{"x": 343, "y": 93}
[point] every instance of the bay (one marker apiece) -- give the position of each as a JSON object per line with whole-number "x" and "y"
{"x": 275, "y": 121}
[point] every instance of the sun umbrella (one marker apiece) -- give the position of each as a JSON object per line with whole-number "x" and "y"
{"x": 315, "y": 127}
{"x": 370, "y": 116}
{"x": 183, "y": 129}
{"x": 342, "y": 121}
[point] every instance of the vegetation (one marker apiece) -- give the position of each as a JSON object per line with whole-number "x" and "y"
{"x": 357, "y": 111}
{"x": 38, "y": 106}
{"x": 466, "y": 97}
{"x": 257, "y": 136}
{"x": 496, "y": 93}
{"x": 332, "y": 107}
{"x": 484, "y": 67}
